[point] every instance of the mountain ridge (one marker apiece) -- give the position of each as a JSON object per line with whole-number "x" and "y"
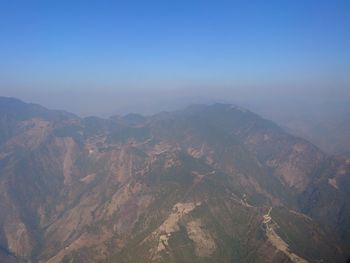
{"x": 195, "y": 185}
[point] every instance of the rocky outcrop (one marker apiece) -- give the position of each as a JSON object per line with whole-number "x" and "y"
{"x": 188, "y": 186}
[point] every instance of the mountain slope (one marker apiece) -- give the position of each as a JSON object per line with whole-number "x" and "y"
{"x": 205, "y": 184}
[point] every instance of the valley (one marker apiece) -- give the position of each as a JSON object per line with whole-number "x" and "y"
{"x": 209, "y": 183}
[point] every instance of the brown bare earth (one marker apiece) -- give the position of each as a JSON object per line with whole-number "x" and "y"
{"x": 194, "y": 185}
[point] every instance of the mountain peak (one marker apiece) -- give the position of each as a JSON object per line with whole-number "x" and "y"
{"x": 21, "y": 110}
{"x": 210, "y": 183}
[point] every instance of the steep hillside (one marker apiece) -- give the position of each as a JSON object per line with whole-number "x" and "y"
{"x": 205, "y": 184}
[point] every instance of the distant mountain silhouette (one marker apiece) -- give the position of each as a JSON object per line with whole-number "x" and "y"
{"x": 210, "y": 183}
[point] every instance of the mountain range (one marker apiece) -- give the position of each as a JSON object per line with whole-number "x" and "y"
{"x": 209, "y": 183}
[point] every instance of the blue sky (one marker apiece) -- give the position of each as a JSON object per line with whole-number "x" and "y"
{"x": 111, "y": 42}
{"x": 59, "y": 45}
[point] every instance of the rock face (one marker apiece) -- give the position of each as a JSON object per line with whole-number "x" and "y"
{"x": 205, "y": 184}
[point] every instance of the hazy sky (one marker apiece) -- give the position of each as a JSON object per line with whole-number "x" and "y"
{"x": 92, "y": 56}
